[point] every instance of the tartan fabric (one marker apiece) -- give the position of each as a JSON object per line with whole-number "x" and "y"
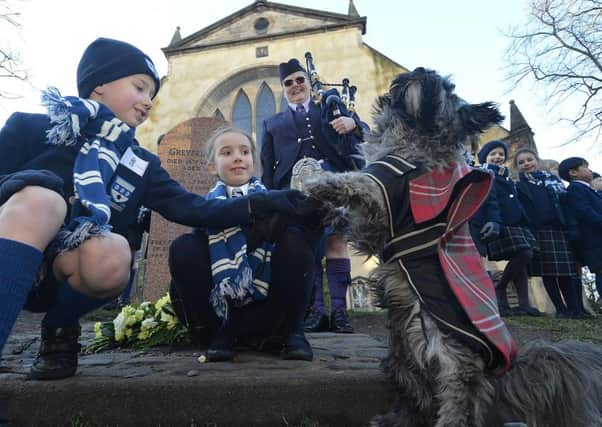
{"x": 450, "y": 195}
{"x": 430, "y": 194}
{"x": 462, "y": 265}
{"x": 513, "y": 240}
{"x": 555, "y": 256}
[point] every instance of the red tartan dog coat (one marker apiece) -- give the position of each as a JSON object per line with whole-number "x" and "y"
{"x": 429, "y": 239}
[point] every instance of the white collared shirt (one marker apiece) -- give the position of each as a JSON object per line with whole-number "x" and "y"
{"x": 305, "y": 105}
{"x": 244, "y": 188}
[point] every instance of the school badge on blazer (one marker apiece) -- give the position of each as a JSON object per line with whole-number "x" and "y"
{"x": 121, "y": 190}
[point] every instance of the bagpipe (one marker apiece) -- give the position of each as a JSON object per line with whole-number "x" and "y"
{"x": 333, "y": 105}
{"x": 337, "y": 105}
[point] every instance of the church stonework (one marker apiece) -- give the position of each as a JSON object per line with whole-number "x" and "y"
{"x": 235, "y": 60}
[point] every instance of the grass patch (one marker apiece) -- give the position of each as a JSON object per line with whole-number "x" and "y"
{"x": 575, "y": 329}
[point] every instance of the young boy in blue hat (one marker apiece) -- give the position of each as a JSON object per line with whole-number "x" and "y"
{"x": 584, "y": 205}
{"x": 72, "y": 182}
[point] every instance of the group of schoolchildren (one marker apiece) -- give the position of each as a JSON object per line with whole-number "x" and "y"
{"x": 540, "y": 227}
{"x": 73, "y": 182}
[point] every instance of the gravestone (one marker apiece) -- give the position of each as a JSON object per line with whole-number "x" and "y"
{"x": 182, "y": 154}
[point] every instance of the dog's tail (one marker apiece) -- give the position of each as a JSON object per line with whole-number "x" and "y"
{"x": 553, "y": 384}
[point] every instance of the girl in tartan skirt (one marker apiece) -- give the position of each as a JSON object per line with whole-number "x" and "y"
{"x": 540, "y": 193}
{"x": 503, "y": 231}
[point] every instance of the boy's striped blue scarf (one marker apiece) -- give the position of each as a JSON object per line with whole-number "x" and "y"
{"x": 239, "y": 277}
{"x": 102, "y": 139}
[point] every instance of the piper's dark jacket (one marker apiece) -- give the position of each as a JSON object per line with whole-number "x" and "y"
{"x": 287, "y": 138}
{"x": 23, "y": 146}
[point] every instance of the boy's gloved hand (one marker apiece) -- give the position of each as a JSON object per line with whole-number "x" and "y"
{"x": 289, "y": 202}
{"x": 14, "y": 182}
{"x": 490, "y": 231}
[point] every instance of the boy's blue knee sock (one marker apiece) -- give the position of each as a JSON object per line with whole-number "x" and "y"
{"x": 20, "y": 264}
{"x": 71, "y": 305}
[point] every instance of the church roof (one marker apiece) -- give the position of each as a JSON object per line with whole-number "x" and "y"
{"x": 264, "y": 20}
{"x": 517, "y": 121}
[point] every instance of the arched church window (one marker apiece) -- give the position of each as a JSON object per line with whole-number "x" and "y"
{"x": 283, "y": 103}
{"x": 266, "y": 107}
{"x": 218, "y": 115}
{"x": 241, "y": 114}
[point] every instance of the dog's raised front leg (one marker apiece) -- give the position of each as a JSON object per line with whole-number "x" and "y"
{"x": 364, "y": 214}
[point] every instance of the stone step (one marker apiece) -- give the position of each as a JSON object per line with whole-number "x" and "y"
{"x": 343, "y": 386}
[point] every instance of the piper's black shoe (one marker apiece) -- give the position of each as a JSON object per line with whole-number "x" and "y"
{"x": 221, "y": 348}
{"x": 297, "y": 348}
{"x": 57, "y": 357}
{"x": 317, "y": 322}
{"x": 340, "y": 322}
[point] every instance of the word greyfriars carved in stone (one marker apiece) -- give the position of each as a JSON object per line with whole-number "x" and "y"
{"x": 182, "y": 155}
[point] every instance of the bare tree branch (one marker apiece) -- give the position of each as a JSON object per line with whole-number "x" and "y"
{"x": 560, "y": 49}
{"x": 10, "y": 62}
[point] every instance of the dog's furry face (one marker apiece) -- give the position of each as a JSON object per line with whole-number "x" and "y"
{"x": 424, "y": 121}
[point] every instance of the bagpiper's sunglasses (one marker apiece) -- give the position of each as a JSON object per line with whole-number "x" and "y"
{"x": 299, "y": 80}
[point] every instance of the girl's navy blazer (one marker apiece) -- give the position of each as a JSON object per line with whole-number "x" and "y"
{"x": 141, "y": 181}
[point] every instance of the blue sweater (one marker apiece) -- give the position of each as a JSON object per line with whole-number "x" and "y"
{"x": 23, "y": 146}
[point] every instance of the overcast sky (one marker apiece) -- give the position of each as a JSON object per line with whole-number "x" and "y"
{"x": 464, "y": 39}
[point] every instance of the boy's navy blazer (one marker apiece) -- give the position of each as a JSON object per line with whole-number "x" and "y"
{"x": 280, "y": 147}
{"x": 23, "y": 146}
{"x": 585, "y": 206}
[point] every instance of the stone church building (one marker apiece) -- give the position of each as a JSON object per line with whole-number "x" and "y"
{"x": 229, "y": 71}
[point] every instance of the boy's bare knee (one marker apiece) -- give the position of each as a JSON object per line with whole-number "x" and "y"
{"x": 37, "y": 202}
{"x": 105, "y": 265}
{"x": 33, "y": 215}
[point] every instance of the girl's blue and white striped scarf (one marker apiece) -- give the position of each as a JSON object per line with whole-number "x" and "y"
{"x": 102, "y": 139}
{"x": 239, "y": 277}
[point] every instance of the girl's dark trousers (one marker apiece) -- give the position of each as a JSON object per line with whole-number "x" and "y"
{"x": 280, "y": 314}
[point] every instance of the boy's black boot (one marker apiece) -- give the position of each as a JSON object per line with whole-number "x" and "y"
{"x": 58, "y": 353}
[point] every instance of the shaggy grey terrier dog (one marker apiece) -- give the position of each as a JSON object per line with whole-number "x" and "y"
{"x": 451, "y": 359}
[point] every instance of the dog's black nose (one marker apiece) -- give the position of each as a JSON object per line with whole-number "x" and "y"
{"x": 420, "y": 70}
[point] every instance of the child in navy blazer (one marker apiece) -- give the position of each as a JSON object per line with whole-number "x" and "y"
{"x": 72, "y": 183}
{"x": 584, "y": 204}
{"x": 513, "y": 241}
{"x": 540, "y": 193}
{"x": 236, "y": 285}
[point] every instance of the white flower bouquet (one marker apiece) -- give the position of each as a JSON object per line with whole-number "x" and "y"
{"x": 140, "y": 326}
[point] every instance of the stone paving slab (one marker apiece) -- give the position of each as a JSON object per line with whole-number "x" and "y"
{"x": 343, "y": 386}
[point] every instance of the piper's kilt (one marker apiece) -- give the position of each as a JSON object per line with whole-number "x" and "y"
{"x": 555, "y": 256}
{"x": 513, "y": 240}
